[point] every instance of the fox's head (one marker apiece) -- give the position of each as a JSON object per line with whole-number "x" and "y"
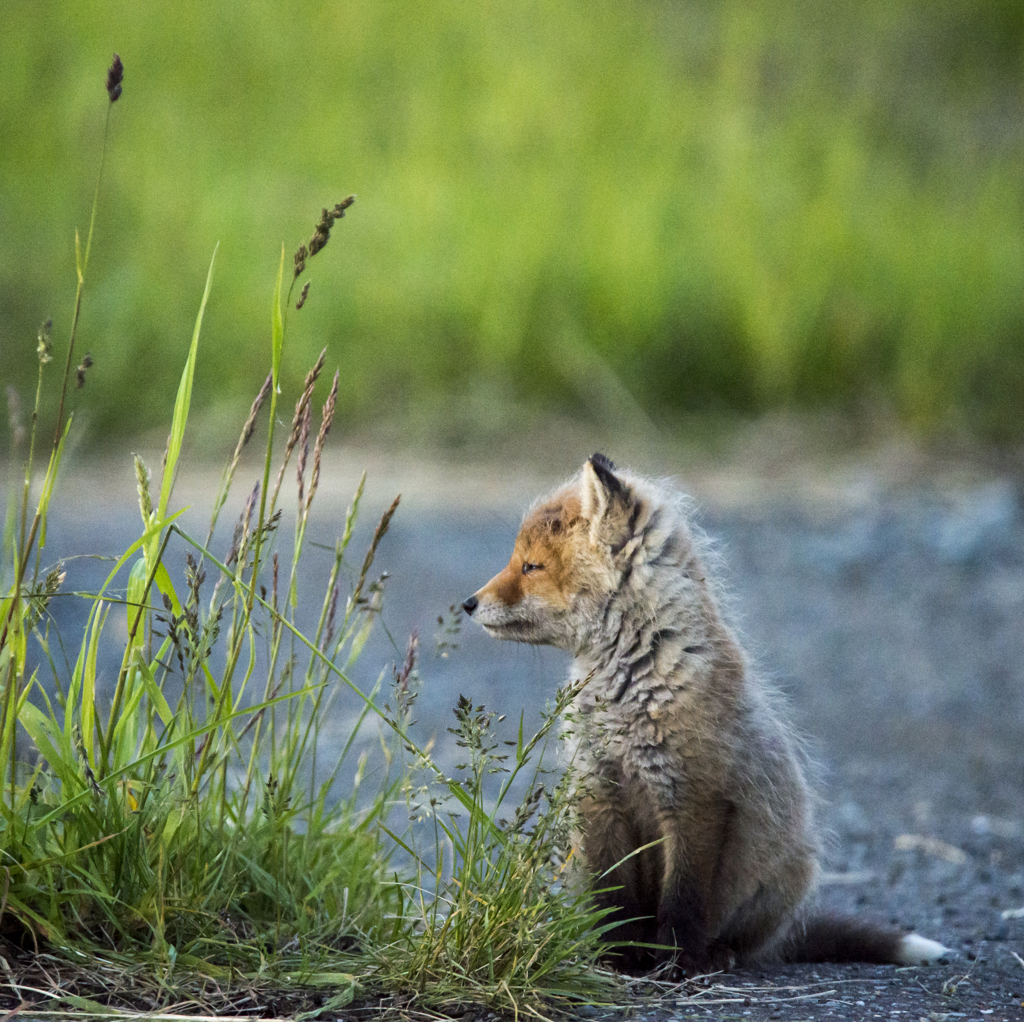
{"x": 568, "y": 559}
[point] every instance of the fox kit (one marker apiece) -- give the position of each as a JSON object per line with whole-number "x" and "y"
{"x": 685, "y": 750}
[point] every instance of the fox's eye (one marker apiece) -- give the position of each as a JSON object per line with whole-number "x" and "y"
{"x": 528, "y": 567}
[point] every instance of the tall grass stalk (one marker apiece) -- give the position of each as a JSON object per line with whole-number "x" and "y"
{"x": 12, "y": 644}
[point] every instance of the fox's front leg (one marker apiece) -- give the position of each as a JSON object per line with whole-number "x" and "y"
{"x": 628, "y": 882}
{"x": 687, "y": 907}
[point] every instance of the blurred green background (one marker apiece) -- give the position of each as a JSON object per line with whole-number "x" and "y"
{"x": 727, "y": 207}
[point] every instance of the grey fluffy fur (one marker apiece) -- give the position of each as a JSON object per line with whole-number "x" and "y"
{"x": 687, "y": 755}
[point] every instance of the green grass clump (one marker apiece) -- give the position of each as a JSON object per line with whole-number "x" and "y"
{"x": 495, "y": 905}
{"x": 181, "y": 822}
{"x": 714, "y": 206}
{"x": 187, "y": 824}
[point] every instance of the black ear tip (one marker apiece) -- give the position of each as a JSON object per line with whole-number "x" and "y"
{"x": 606, "y": 472}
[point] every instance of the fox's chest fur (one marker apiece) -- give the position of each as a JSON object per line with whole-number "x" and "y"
{"x": 684, "y": 749}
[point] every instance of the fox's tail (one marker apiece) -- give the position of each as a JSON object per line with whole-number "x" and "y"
{"x": 832, "y": 938}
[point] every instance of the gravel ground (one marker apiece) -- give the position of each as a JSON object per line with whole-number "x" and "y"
{"x": 897, "y": 627}
{"x": 893, "y": 616}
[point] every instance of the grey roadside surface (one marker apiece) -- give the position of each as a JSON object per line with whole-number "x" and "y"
{"x": 890, "y": 612}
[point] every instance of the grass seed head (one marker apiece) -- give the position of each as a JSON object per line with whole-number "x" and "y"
{"x": 331, "y": 614}
{"x": 115, "y": 76}
{"x": 142, "y": 479}
{"x": 300, "y": 410}
{"x": 378, "y": 535}
{"x": 250, "y": 422}
{"x": 195, "y": 576}
{"x": 403, "y": 674}
{"x": 54, "y": 580}
{"x": 300, "y": 466}
{"x": 241, "y": 533}
{"x": 44, "y": 345}
{"x": 304, "y": 398}
{"x": 303, "y": 296}
{"x": 76, "y": 734}
{"x": 80, "y": 371}
{"x": 250, "y": 506}
{"x": 325, "y": 427}
{"x": 300, "y": 262}
{"x": 322, "y": 231}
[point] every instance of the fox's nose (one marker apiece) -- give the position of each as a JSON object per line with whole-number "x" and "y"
{"x": 469, "y": 605}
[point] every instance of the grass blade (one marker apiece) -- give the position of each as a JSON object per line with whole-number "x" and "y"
{"x": 183, "y": 400}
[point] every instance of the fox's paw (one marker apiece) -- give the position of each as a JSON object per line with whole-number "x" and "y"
{"x": 716, "y": 957}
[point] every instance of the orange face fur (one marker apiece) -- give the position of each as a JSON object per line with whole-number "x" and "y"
{"x": 532, "y": 599}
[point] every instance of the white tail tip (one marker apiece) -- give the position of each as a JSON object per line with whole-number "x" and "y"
{"x": 917, "y": 950}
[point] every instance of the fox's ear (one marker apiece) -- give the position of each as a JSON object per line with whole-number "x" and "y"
{"x": 607, "y": 503}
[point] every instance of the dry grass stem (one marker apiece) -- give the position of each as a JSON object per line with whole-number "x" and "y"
{"x": 303, "y": 445}
{"x": 378, "y": 535}
{"x": 250, "y": 422}
{"x": 300, "y": 409}
{"x": 321, "y": 437}
{"x": 331, "y": 612}
{"x": 246, "y": 435}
